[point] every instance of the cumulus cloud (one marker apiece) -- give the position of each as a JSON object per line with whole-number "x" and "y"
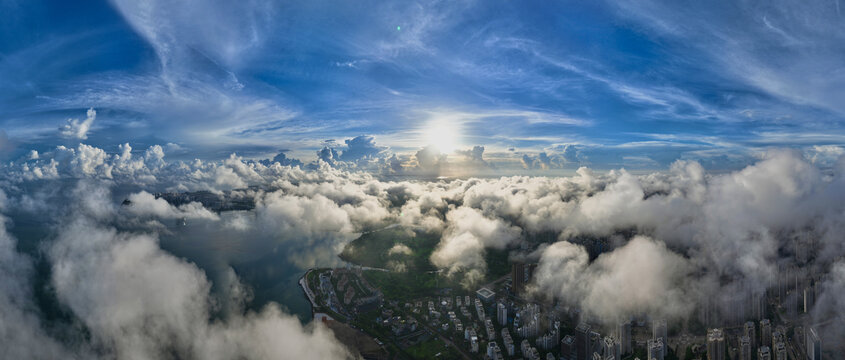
{"x": 475, "y": 155}
{"x": 145, "y": 204}
{"x": 615, "y": 244}
{"x": 328, "y": 155}
{"x": 361, "y": 148}
{"x": 465, "y": 239}
{"x": 21, "y": 332}
{"x": 399, "y": 249}
{"x": 138, "y": 301}
{"x": 541, "y": 161}
{"x": 76, "y": 129}
{"x": 429, "y": 158}
{"x": 283, "y": 160}
{"x": 641, "y": 277}
{"x": 317, "y": 226}
{"x": 134, "y": 300}
{"x": 560, "y": 156}
{"x": 825, "y": 155}
{"x": 360, "y": 152}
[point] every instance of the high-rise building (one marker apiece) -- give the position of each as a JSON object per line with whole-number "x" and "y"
{"x": 583, "y": 350}
{"x": 659, "y": 331}
{"x": 758, "y": 306}
{"x": 567, "y": 348}
{"x": 809, "y": 297}
{"x": 502, "y": 314}
{"x": 612, "y": 349}
{"x": 765, "y": 333}
{"x": 507, "y": 340}
{"x": 525, "y": 347}
{"x": 778, "y": 335}
{"x": 814, "y": 345}
{"x": 491, "y": 349}
{"x": 780, "y": 351}
{"x": 520, "y": 275}
{"x": 715, "y": 344}
{"x": 624, "y": 336}
{"x": 547, "y": 341}
{"x": 748, "y": 330}
{"x": 655, "y": 349}
{"x": 745, "y": 348}
{"x": 517, "y": 277}
{"x": 763, "y": 353}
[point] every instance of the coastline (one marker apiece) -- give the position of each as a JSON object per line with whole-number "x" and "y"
{"x": 303, "y": 283}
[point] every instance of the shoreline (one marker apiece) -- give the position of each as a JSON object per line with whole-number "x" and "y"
{"x": 303, "y": 283}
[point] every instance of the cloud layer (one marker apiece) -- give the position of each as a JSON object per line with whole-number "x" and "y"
{"x": 674, "y": 244}
{"x": 137, "y": 301}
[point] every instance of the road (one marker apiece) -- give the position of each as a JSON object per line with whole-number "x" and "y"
{"x": 446, "y": 340}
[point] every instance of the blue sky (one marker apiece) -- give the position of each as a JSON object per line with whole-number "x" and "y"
{"x": 635, "y": 84}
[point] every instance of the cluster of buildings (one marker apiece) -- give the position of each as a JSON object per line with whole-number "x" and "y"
{"x": 499, "y": 324}
{"x": 771, "y": 345}
{"x": 226, "y": 201}
{"x": 365, "y": 299}
{"x": 588, "y": 344}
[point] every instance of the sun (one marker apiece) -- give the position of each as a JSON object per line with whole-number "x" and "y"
{"x": 443, "y": 135}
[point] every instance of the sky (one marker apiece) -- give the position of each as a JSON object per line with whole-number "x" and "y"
{"x": 685, "y": 158}
{"x": 633, "y": 84}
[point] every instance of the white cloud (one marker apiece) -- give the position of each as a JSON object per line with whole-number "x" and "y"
{"x": 399, "y": 249}
{"x": 139, "y": 302}
{"x": 694, "y": 226}
{"x": 467, "y": 235}
{"x": 641, "y": 277}
{"x": 76, "y": 129}
{"x": 21, "y": 332}
{"x": 145, "y": 204}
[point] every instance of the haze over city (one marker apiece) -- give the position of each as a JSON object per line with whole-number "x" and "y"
{"x": 429, "y": 179}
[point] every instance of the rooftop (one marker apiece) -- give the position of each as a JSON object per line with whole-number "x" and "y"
{"x": 485, "y": 293}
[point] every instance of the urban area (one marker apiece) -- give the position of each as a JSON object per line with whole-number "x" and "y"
{"x": 497, "y": 322}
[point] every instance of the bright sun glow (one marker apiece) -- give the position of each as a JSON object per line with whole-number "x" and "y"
{"x": 444, "y": 135}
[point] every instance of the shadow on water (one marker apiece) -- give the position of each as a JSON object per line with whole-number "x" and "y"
{"x": 261, "y": 262}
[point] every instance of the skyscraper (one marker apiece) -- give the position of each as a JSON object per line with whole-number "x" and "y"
{"x": 502, "y": 314}
{"x": 521, "y": 275}
{"x": 763, "y": 353}
{"x": 612, "y": 349}
{"x": 517, "y": 277}
{"x": 655, "y": 349}
{"x": 715, "y": 344}
{"x": 659, "y": 331}
{"x": 780, "y": 351}
{"x": 765, "y": 332}
{"x": 814, "y": 345}
{"x": 624, "y": 336}
{"x": 778, "y": 335}
{"x": 809, "y": 297}
{"x": 745, "y": 348}
{"x": 567, "y": 347}
{"x": 748, "y": 331}
{"x": 583, "y": 350}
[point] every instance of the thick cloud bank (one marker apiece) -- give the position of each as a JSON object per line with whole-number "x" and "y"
{"x": 137, "y": 301}
{"x": 681, "y": 244}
